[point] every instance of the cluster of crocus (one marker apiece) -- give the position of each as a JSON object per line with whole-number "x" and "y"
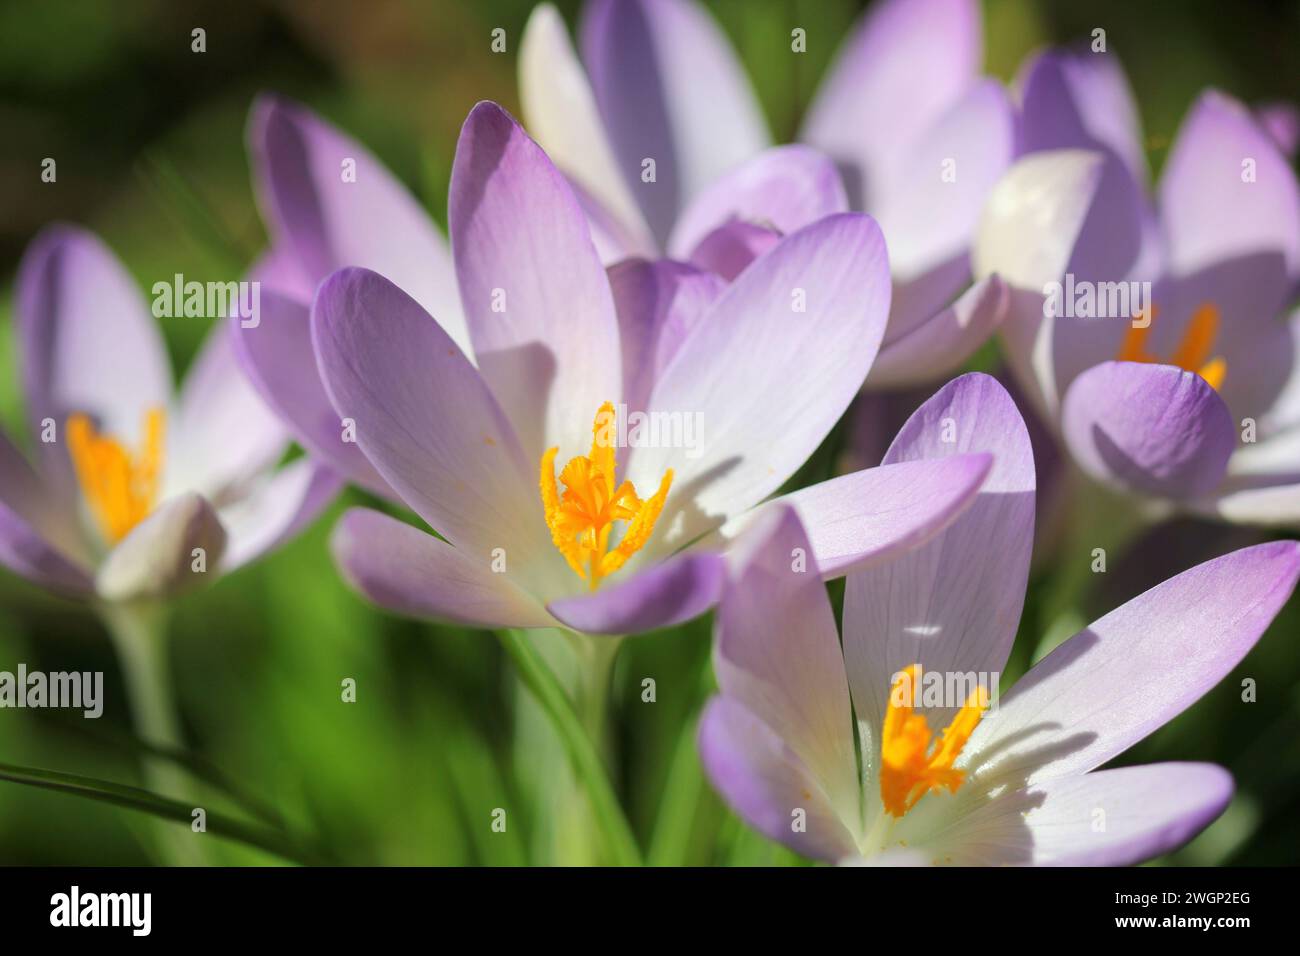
{"x": 645, "y": 321}
{"x": 1190, "y": 396}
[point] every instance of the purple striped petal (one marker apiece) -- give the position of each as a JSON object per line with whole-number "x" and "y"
{"x": 728, "y": 250}
{"x": 1109, "y": 818}
{"x": 536, "y": 297}
{"x": 767, "y": 784}
{"x": 658, "y": 304}
{"x": 778, "y": 655}
{"x": 275, "y": 513}
{"x": 278, "y": 358}
{"x": 946, "y": 605}
{"x": 329, "y": 200}
{"x": 403, "y": 569}
{"x": 875, "y": 85}
{"x": 649, "y": 62}
{"x": 425, "y": 418}
{"x": 1135, "y": 669}
{"x": 1154, "y": 429}
{"x": 769, "y": 370}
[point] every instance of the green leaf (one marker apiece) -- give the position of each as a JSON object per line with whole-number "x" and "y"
{"x": 134, "y": 798}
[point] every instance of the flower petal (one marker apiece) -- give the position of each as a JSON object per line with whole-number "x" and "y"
{"x": 945, "y": 605}
{"x": 649, "y": 60}
{"x": 539, "y": 306}
{"x": 1154, "y": 429}
{"x": 559, "y": 109}
{"x": 945, "y": 342}
{"x": 157, "y": 559}
{"x": 425, "y": 418}
{"x": 728, "y": 250}
{"x": 783, "y": 188}
{"x": 934, "y": 202}
{"x": 766, "y": 783}
{"x": 873, "y": 515}
{"x": 769, "y": 370}
{"x": 1282, "y": 121}
{"x": 1135, "y": 669}
{"x": 31, "y": 521}
{"x": 1228, "y": 193}
{"x": 87, "y": 340}
{"x": 664, "y": 594}
{"x": 658, "y": 303}
{"x": 777, "y": 654}
{"x": 223, "y": 433}
{"x": 331, "y": 201}
{"x": 402, "y": 568}
{"x": 872, "y": 107}
{"x": 278, "y": 358}
{"x": 273, "y": 514}
{"x": 1143, "y": 811}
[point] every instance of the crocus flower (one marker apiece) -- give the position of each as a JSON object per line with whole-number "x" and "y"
{"x": 658, "y": 127}
{"x": 131, "y": 479}
{"x": 514, "y": 452}
{"x": 935, "y": 777}
{"x": 1195, "y": 403}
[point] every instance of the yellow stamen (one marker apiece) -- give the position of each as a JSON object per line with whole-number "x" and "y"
{"x": 120, "y": 488}
{"x": 910, "y": 765}
{"x": 1192, "y": 354}
{"x": 582, "y": 517}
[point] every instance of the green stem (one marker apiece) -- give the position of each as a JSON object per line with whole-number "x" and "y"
{"x": 140, "y": 639}
{"x": 670, "y": 841}
{"x": 574, "y": 733}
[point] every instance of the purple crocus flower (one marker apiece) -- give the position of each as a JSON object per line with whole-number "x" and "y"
{"x": 1017, "y": 784}
{"x": 661, "y": 133}
{"x": 1196, "y": 402}
{"x": 519, "y": 450}
{"x": 129, "y": 477}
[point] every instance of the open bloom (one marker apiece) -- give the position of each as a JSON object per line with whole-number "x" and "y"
{"x": 933, "y": 775}
{"x": 587, "y": 458}
{"x": 1161, "y": 354}
{"x": 135, "y": 492}
{"x": 329, "y": 203}
{"x": 661, "y": 133}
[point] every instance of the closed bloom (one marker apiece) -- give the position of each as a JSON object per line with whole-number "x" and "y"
{"x": 1156, "y": 338}
{"x": 933, "y": 774}
{"x": 661, "y": 133}
{"x": 135, "y": 491}
{"x": 587, "y": 456}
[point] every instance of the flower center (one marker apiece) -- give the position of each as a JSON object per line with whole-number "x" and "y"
{"x": 582, "y": 517}
{"x": 1193, "y": 353}
{"x": 911, "y": 762}
{"x": 120, "y": 488}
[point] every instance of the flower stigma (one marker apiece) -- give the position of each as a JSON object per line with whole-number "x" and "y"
{"x": 582, "y": 518}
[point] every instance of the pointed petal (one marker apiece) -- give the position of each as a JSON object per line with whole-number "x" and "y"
{"x": 331, "y": 201}
{"x": 649, "y": 60}
{"x": 538, "y": 303}
{"x": 945, "y": 605}
{"x": 1135, "y": 669}
{"x": 559, "y": 109}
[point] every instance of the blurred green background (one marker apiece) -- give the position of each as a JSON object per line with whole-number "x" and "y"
{"x": 149, "y": 142}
